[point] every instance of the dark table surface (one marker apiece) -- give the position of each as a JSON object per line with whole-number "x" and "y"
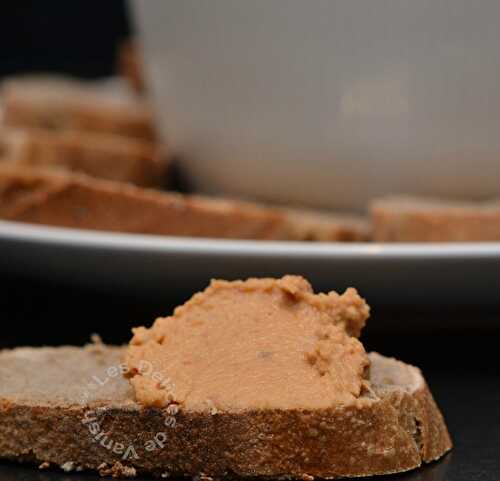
{"x": 458, "y": 353}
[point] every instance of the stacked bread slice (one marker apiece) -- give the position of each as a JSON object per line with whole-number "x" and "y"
{"x": 68, "y": 149}
{"x": 100, "y": 129}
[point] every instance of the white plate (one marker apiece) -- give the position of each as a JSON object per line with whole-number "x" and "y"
{"x": 394, "y": 274}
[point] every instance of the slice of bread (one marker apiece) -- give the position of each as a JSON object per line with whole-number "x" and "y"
{"x": 106, "y": 156}
{"x": 83, "y": 202}
{"x": 411, "y": 219}
{"x": 71, "y": 407}
{"x": 61, "y": 103}
{"x": 30, "y": 195}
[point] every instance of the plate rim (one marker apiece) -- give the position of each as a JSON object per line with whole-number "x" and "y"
{"x": 84, "y": 238}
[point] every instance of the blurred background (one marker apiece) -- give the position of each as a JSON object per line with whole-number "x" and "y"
{"x": 31, "y": 36}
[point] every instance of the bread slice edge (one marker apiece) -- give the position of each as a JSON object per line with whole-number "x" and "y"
{"x": 395, "y": 429}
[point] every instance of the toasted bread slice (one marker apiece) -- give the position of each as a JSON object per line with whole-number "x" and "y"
{"x": 410, "y": 219}
{"x": 71, "y": 407}
{"x": 61, "y": 103}
{"x": 30, "y": 195}
{"x": 106, "y": 156}
{"x": 83, "y": 202}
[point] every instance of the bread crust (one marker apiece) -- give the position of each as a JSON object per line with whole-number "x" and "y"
{"x": 390, "y": 430}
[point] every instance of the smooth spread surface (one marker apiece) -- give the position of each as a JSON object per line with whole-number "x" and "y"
{"x": 255, "y": 344}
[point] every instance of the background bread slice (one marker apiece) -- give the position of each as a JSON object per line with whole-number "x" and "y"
{"x": 408, "y": 219}
{"x": 49, "y": 395}
{"x": 83, "y": 202}
{"x": 60, "y": 103}
{"x": 30, "y": 195}
{"x": 306, "y": 224}
{"x": 105, "y": 156}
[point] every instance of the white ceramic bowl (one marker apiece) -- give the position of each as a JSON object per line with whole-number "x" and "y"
{"x": 328, "y": 102}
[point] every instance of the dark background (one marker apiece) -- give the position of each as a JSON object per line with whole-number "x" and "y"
{"x": 77, "y": 37}
{"x": 458, "y": 349}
